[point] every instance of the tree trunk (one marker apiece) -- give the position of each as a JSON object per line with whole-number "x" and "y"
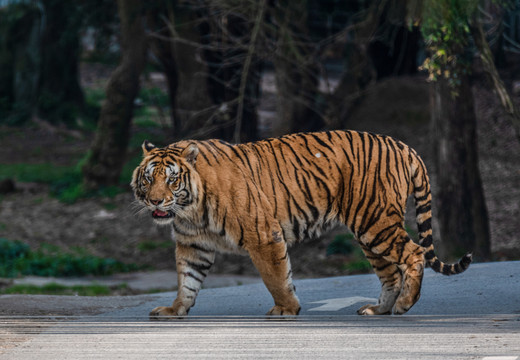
{"x": 60, "y": 92}
{"x": 359, "y": 71}
{"x": 108, "y": 151}
{"x": 20, "y": 62}
{"x": 462, "y": 212}
{"x": 193, "y": 106}
{"x": 296, "y": 70}
{"x": 162, "y": 47}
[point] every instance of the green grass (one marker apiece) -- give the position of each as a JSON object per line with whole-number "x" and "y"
{"x": 77, "y": 290}
{"x": 44, "y": 173}
{"x": 65, "y": 182}
{"x": 16, "y": 258}
{"x": 57, "y": 289}
{"x": 110, "y": 206}
{"x": 147, "y": 246}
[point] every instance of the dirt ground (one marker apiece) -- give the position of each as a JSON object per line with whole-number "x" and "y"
{"x": 110, "y": 228}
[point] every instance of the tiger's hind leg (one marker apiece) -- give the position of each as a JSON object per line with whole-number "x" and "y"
{"x": 391, "y": 280}
{"x": 408, "y": 257}
{"x": 413, "y": 271}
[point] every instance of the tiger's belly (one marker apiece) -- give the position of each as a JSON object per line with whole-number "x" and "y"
{"x": 298, "y": 230}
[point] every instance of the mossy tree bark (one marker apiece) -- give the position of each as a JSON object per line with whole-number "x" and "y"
{"x": 106, "y": 159}
{"x": 461, "y": 208}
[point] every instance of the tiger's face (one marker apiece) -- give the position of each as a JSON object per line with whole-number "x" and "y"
{"x": 165, "y": 182}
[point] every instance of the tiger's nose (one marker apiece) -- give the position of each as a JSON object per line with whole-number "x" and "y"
{"x": 155, "y": 202}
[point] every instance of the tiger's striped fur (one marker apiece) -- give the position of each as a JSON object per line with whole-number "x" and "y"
{"x": 258, "y": 198}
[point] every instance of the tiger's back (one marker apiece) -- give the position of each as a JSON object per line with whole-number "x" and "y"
{"x": 260, "y": 197}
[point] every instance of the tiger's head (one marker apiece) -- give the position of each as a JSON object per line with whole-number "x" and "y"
{"x": 166, "y": 182}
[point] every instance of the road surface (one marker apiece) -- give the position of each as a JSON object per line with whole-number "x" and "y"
{"x": 474, "y": 315}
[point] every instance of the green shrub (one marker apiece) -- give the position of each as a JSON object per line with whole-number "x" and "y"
{"x": 414, "y": 235}
{"x": 357, "y": 266}
{"x": 355, "y": 261}
{"x": 154, "y": 96}
{"x": 11, "y": 254}
{"x": 128, "y": 169}
{"x": 16, "y": 259}
{"x": 342, "y": 244}
{"x": 94, "y": 98}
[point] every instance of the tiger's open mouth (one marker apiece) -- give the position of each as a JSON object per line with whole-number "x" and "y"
{"x": 158, "y": 214}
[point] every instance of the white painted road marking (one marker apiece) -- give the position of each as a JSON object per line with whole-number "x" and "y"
{"x": 500, "y": 358}
{"x": 340, "y": 303}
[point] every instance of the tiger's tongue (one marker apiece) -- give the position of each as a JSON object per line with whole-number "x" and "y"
{"x": 160, "y": 213}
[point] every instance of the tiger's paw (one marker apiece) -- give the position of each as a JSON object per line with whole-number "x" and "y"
{"x": 371, "y": 309}
{"x": 400, "y": 308}
{"x": 405, "y": 303}
{"x": 168, "y": 312}
{"x": 284, "y": 310}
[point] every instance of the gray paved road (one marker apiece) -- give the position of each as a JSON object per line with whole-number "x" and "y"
{"x": 475, "y": 315}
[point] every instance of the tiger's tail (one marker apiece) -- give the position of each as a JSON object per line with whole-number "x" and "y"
{"x": 422, "y": 196}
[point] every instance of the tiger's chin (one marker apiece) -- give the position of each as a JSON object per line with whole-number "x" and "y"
{"x": 162, "y": 217}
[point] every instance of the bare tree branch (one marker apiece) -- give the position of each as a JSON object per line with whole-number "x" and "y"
{"x": 487, "y": 60}
{"x": 245, "y": 70}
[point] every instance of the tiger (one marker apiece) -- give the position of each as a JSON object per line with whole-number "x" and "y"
{"x": 259, "y": 198}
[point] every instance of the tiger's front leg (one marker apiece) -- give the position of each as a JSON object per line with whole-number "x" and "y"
{"x": 193, "y": 264}
{"x": 271, "y": 259}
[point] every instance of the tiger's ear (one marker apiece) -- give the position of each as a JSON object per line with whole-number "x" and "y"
{"x": 190, "y": 153}
{"x": 147, "y": 147}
